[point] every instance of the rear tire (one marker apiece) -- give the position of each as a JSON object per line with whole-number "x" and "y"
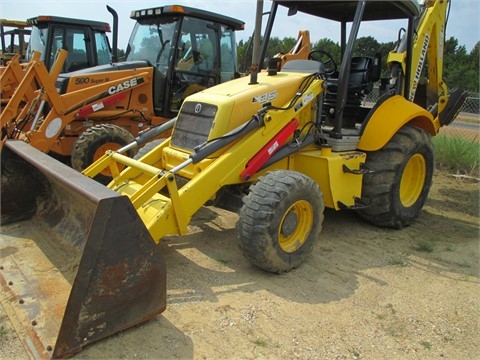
{"x": 94, "y": 142}
{"x": 399, "y": 187}
{"x": 280, "y": 220}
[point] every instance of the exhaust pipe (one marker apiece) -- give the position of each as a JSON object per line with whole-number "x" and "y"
{"x": 114, "y": 34}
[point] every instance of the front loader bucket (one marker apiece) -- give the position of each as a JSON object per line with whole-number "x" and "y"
{"x": 80, "y": 266}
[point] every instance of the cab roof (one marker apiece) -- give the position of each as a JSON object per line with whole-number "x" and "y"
{"x": 188, "y": 11}
{"x": 47, "y": 19}
{"x": 344, "y": 11}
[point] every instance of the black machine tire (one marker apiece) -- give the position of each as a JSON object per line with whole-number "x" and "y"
{"x": 280, "y": 220}
{"x": 329, "y": 71}
{"x": 147, "y": 148}
{"x": 93, "y": 143}
{"x": 399, "y": 186}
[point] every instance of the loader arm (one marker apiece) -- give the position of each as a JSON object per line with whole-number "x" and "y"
{"x": 11, "y": 76}
{"x": 143, "y": 180}
{"x": 32, "y": 83}
{"x": 79, "y": 104}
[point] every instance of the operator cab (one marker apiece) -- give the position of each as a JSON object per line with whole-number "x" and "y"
{"x": 345, "y": 110}
{"x": 191, "y": 50}
{"x": 14, "y": 37}
{"x": 85, "y": 40}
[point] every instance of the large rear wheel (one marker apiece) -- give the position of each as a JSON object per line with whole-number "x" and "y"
{"x": 280, "y": 220}
{"x": 94, "y": 142}
{"x": 399, "y": 186}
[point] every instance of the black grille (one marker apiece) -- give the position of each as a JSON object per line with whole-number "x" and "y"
{"x": 193, "y": 125}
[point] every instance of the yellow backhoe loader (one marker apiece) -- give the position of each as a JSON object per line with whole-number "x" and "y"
{"x": 286, "y": 143}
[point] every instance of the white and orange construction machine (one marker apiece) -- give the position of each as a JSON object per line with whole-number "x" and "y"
{"x": 14, "y": 36}
{"x": 173, "y": 51}
{"x": 286, "y": 143}
{"x": 85, "y": 41}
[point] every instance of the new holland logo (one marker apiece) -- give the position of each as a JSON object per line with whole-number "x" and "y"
{"x": 418, "y": 71}
{"x": 198, "y": 108}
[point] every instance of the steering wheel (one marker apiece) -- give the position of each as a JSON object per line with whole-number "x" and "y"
{"x": 320, "y": 55}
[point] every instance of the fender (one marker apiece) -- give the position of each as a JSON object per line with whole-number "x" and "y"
{"x": 388, "y": 117}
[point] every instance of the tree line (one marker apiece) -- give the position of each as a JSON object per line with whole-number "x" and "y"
{"x": 460, "y": 67}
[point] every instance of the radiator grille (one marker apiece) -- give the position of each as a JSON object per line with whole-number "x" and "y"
{"x": 193, "y": 125}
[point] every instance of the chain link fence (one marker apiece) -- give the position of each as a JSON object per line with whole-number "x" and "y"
{"x": 467, "y": 123}
{"x": 471, "y": 105}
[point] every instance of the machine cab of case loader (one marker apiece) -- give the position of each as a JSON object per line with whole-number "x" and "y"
{"x": 85, "y": 40}
{"x": 191, "y": 50}
{"x": 350, "y": 75}
{"x": 14, "y": 35}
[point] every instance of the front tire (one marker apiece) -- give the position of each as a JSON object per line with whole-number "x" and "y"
{"x": 399, "y": 186}
{"x": 280, "y": 220}
{"x": 94, "y": 142}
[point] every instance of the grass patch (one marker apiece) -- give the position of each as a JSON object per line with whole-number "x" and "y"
{"x": 2, "y": 332}
{"x": 450, "y": 247}
{"x": 223, "y": 262}
{"x": 456, "y": 154}
{"x": 424, "y": 246}
{"x": 261, "y": 343}
{"x": 397, "y": 261}
{"x": 426, "y": 345}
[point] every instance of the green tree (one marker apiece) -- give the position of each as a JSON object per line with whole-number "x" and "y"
{"x": 279, "y": 46}
{"x": 244, "y": 54}
{"x": 461, "y": 69}
{"x": 472, "y": 75}
{"x": 455, "y": 64}
{"x": 330, "y": 47}
{"x": 366, "y": 46}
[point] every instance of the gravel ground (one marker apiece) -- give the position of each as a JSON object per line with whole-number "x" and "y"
{"x": 364, "y": 292}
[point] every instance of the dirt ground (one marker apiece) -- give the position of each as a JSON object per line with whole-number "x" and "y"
{"x": 364, "y": 293}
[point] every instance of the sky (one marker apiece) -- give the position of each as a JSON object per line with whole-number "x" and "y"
{"x": 463, "y": 23}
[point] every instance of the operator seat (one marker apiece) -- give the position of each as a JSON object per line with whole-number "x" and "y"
{"x": 361, "y": 78}
{"x": 364, "y": 71}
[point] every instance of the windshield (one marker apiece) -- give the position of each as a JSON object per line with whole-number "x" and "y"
{"x": 38, "y": 39}
{"x": 152, "y": 41}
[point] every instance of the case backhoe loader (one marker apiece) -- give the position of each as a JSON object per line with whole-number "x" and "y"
{"x": 287, "y": 143}
{"x": 14, "y": 39}
{"x": 86, "y": 41}
{"x": 173, "y": 52}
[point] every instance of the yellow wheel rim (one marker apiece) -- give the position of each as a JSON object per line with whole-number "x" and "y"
{"x": 413, "y": 179}
{"x": 295, "y": 226}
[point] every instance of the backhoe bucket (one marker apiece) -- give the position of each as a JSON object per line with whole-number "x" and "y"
{"x": 80, "y": 266}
